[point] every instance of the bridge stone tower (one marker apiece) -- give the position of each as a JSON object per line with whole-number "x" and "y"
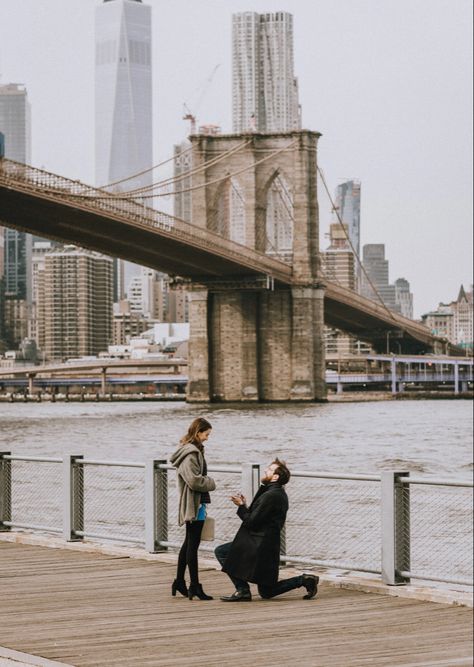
{"x": 256, "y": 340}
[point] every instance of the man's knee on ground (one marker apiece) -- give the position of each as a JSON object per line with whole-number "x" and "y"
{"x": 264, "y": 592}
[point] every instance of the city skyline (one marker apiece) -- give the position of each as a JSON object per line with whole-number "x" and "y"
{"x": 396, "y": 130}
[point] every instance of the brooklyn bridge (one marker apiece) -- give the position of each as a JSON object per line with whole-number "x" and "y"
{"x": 258, "y": 294}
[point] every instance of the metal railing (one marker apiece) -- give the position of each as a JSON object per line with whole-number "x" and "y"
{"x": 391, "y": 524}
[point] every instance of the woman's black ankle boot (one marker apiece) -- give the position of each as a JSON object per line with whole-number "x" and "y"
{"x": 195, "y": 590}
{"x": 179, "y": 585}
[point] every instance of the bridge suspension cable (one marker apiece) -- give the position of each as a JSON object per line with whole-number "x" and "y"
{"x": 186, "y": 174}
{"x": 141, "y": 197}
{"x": 145, "y": 171}
{"x": 356, "y": 255}
{"x": 235, "y": 173}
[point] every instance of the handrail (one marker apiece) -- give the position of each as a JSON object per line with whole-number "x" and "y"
{"x": 38, "y": 459}
{"x": 435, "y": 481}
{"x": 122, "y": 464}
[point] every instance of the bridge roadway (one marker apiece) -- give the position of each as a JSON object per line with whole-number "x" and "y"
{"x": 91, "y": 609}
{"x": 48, "y": 205}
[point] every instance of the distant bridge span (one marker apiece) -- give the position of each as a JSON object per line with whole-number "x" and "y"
{"x": 48, "y": 205}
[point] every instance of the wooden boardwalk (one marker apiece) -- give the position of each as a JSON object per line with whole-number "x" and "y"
{"x": 86, "y": 609}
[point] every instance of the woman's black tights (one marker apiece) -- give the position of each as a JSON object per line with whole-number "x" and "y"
{"x": 188, "y": 554}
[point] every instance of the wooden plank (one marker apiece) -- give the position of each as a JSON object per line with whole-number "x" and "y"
{"x": 91, "y": 609}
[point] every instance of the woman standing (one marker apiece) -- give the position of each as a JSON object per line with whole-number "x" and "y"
{"x": 193, "y": 488}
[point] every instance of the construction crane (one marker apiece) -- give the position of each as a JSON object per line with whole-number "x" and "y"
{"x": 204, "y": 87}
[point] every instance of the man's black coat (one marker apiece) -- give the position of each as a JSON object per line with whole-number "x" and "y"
{"x": 255, "y": 552}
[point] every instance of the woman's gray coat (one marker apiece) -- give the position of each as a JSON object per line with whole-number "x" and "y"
{"x": 189, "y": 464}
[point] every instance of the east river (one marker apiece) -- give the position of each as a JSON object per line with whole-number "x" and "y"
{"x": 432, "y": 437}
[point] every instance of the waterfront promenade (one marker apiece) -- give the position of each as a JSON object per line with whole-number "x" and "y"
{"x": 91, "y": 609}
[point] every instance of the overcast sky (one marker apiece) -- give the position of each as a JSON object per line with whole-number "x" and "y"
{"x": 387, "y": 82}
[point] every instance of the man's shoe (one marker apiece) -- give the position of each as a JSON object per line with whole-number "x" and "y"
{"x": 238, "y": 596}
{"x": 310, "y": 582}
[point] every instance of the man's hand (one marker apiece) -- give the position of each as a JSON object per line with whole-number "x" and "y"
{"x": 238, "y": 499}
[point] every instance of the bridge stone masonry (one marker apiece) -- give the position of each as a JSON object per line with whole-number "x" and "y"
{"x": 252, "y": 341}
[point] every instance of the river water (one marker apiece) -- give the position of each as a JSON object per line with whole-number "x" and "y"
{"x": 432, "y": 437}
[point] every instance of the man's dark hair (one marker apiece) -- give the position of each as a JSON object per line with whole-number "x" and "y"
{"x": 282, "y": 471}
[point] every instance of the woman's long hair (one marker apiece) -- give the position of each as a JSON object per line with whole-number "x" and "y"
{"x": 197, "y": 426}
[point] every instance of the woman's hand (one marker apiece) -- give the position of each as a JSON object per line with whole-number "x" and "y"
{"x": 238, "y": 499}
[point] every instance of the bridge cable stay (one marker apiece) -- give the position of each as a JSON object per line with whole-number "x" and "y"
{"x": 232, "y": 174}
{"x": 210, "y": 163}
{"x": 188, "y": 173}
{"x": 124, "y": 196}
{"x": 335, "y": 209}
{"x": 145, "y": 171}
{"x": 127, "y": 194}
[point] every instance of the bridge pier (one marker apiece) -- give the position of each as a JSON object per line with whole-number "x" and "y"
{"x": 251, "y": 345}
{"x": 198, "y": 353}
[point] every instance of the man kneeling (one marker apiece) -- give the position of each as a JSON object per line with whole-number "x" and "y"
{"x": 254, "y": 555}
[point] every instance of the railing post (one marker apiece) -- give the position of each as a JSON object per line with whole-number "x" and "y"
{"x": 250, "y": 480}
{"x": 456, "y": 377}
{"x": 73, "y": 497}
{"x": 156, "y": 505}
{"x": 395, "y": 502}
{"x": 5, "y": 491}
{"x": 393, "y": 367}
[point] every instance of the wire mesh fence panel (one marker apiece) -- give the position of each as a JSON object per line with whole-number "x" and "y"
{"x": 334, "y": 520}
{"x": 441, "y": 540}
{"x": 221, "y": 509}
{"x": 114, "y": 501}
{"x": 36, "y": 493}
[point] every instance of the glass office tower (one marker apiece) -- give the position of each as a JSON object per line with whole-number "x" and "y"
{"x": 123, "y": 102}
{"x": 15, "y": 125}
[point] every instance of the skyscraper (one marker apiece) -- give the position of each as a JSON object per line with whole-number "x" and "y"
{"x": 264, "y": 87}
{"x": 123, "y": 101}
{"x": 348, "y": 207}
{"x": 338, "y": 263}
{"x": 403, "y": 297}
{"x": 123, "y": 88}
{"x": 15, "y": 125}
{"x": 376, "y": 268}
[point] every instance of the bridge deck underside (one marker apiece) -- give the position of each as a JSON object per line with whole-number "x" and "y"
{"x": 157, "y": 248}
{"x": 368, "y": 327}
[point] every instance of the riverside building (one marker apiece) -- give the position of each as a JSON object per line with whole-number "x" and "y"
{"x": 339, "y": 267}
{"x": 75, "y": 304}
{"x": 455, "y": 320}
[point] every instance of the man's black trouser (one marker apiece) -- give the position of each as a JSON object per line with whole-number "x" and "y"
{"x": 264, "y": 590}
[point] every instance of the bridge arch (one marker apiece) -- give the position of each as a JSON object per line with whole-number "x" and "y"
{"x": 227, "y": 215}
{"x": 275, "y": 226}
